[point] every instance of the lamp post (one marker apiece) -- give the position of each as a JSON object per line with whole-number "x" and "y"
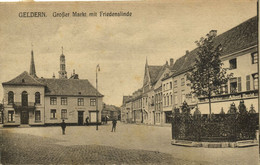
{"x": 97, "y": 70}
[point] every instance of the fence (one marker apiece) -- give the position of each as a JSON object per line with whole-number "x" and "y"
{"x": 237, "y": 124}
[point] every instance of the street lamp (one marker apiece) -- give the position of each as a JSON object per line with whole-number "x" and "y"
{"x": 97, "y": 70}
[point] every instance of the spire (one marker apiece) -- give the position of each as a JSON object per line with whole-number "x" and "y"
{"x": 32, "y": 65}
{"x": 62, "y": 72}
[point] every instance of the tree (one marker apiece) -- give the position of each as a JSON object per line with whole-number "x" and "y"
{"x": 208, "y": 76}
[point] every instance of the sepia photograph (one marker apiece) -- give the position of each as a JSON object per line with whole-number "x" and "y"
{"x": 129, "y": 82}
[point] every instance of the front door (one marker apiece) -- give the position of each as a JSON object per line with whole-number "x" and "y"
{"x": 24, "y": 117}
{"x": 80, "y": 117}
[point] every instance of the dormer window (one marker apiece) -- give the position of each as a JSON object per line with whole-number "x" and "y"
{"x": 23, "y": 81}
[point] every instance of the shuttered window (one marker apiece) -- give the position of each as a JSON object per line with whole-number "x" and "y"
{"x": 239, "y": 87}
{"x": 248, "y": 82}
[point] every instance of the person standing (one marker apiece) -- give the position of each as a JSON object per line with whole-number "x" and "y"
{"x": 114, "y": 125}
{"x": 63, "y": 127}
{"x": 87, "y": 118}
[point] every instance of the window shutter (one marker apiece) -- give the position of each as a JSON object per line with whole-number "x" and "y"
{"x": 248, "y": 82}
{"x": 239, "y": 84}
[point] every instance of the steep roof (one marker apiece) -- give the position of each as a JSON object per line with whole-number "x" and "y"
{"x": 24, "y": 79}
{"x": 69, "y": 87}
{"x": 153, "y": 72}
{"x": 126, "y": 98}
{"x": 238, "y": 38}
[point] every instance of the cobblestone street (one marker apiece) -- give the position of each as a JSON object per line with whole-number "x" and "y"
{"x": 131, "y": 144}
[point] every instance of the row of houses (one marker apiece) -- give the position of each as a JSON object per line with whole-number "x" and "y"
{"x": 30, "y": 100}
{"x": 166, "y": 87}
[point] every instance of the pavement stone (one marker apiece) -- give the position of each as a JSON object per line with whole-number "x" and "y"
{"x": 130, "y": 144}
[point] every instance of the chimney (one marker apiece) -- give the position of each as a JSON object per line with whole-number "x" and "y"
{"x": 171, "y": 61}
{"x": 187, "y": 52}
{"x": 213, "y": 33}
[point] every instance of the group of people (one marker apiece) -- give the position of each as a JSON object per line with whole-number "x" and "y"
{"x": 63, "y": 125}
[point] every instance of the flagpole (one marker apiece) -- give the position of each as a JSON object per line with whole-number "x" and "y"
{"x": 97, "y": 95}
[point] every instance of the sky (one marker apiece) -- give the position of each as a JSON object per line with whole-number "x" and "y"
{"x": 120, "y": 45}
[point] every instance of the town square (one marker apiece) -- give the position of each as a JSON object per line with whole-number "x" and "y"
{"x": 139, "y": 83}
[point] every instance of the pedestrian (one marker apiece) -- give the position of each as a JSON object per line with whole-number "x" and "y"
{"x": 87, "y": 118}
{"x": 106, "y": 118}
{"x": 114, "y": 125}
{"x": 63, "y": 126}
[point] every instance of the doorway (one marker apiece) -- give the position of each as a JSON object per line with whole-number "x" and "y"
{"x": 24, "y": 117}
{"x": 80, "y": 117}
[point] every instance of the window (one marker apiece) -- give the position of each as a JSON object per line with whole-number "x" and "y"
{"x": 24, "y": 98}
{"x": 10, "y": 116}
{"x": 163, "y": 87}
{"x": 233, "y": 63}
{"x": 235, "y": 85}
{"x": 53, "y": 114}
{"x": 53, "y": 100}
{"x": 37, "y": 98}
{"x": 170, "y": 85}
{"x": 92, "y": 102}
{"x": 175, "y": 84}
{"x": 171, "y": 99}
{"x": 183, "y": 96}
{"x": 248, "y": 82}
{"x": 175, "y": 98}
{"x": 63, "y": 100}
{"x": 64, "y": 114}
{"x": 37, "y": 115}
{"x": 182, "y": 81}
{"x": 10, "y": 97}
{"x": 255, "y": 80}
{"x": 167, "y": 100}
{"x": 164, "y": 100}
{"x": 254, "y": 57}
{"x": 224, "y": 88}
{"x": 80, "y": 101}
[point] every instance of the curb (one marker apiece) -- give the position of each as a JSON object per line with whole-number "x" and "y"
{"x": 237, "y": 144}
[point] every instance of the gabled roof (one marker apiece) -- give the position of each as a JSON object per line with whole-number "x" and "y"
{"x": 238, "y": 38}
{"x": 69, "y": 87}
{"x": 24, "y": 79}
{"x": 154, "y": 71}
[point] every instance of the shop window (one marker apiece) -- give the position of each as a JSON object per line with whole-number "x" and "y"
{"x": 233, "y": 63}
{"x": 10, "y": 97}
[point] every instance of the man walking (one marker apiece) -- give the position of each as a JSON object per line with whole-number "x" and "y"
{"x": 114, "y": 125}
{"x": 87, "y": 118}
{"x": 63, "y": 127}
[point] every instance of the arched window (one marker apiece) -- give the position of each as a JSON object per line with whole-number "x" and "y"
{"x": 10, "y": 97}
{"x": 24, "y": 98}
{"x": 37, "y": 98}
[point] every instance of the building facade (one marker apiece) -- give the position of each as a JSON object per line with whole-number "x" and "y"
{"x": 31, "y": 100}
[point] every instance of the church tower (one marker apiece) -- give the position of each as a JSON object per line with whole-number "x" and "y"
{"x": 62, "y": 72}
{"x": 32, "y": 66}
